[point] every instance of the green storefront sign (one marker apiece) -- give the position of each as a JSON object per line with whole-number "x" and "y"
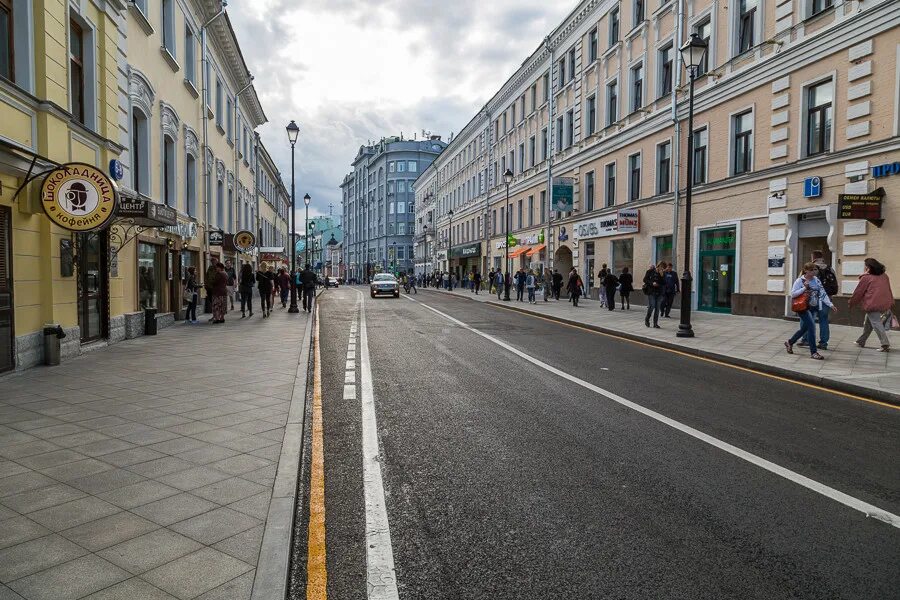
{"x": 466, "y": 251}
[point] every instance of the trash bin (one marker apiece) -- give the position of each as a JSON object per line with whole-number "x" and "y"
{"x": 53, "y": 335}
{"x": 149, "y": 321}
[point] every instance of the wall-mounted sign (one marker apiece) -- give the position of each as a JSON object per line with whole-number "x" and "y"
{"x": 116, "y": 170}
{"x": 563, "y": 236}
{"x": 216, "y": 237}
{"x": 861, "y": 206}
{"x": 466, "y": 251}
{"x": 776, "y": 260}
{"x": 244, "y": 241}
{"x": 147, "y": 213}
{"x": 183, "y": 229}
{"x": 624, "y": 221}
{"x": 563, "y": 194}
{"x": 886, "y": 170}
{"x": 812, "y": 187}
{"x": 78, "y": 197}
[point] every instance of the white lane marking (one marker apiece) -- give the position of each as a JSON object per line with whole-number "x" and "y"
{"x": 349, "y": 392}
{"x": 350, "y": 377}
{"x": 869, "y": 510}
{"x": 381, "y": 579}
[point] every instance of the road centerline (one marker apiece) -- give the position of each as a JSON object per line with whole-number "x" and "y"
{"x": 869, "y": 510}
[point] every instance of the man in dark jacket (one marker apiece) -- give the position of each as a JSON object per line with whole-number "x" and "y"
{"x": 520, "y": 285}
{"x": 654, "y": 286}
{"x": 670, "y": 279}
{"x": 557, "y": 283}
{"x": 308, "y": 280}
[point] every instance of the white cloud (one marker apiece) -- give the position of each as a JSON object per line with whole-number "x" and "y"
{"x": 349, "y": 71}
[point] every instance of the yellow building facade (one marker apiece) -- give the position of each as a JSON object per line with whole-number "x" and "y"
{"x": 162, "y": 89}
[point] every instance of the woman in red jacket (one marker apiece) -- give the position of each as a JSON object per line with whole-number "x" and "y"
{"x": 873, "y": 294}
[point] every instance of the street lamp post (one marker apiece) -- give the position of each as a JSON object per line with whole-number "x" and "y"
{"x": 449, "y": 253}
{"x": 293, "y": 132}
{"x": 692, "y": 53}
{"x": 507, "y": 179}
{"x": 306, "y": 201}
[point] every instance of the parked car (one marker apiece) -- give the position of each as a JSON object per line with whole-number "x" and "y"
{"x": 384, "y": 284}
{"x": 331, "y": 282}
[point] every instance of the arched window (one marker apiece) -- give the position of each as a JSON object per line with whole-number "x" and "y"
{"x": 170, "y": 195}
{"x": 220, "y": 203}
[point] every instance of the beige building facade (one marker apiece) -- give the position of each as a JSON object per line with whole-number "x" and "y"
{"x": 796, "y": 104}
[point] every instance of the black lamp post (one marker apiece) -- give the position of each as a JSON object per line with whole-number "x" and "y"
{"x": 293, "y": 132}
{"x": 507, "y": 279}
{"x": 306, "y": 201}
{"x": 450, "y": 253}
{"x": 692, "y": 53}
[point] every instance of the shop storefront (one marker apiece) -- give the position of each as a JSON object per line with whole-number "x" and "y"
{"x": 587, "y": 235}
{"x": 717, "y": 267}
{"x": 465, "y": 259}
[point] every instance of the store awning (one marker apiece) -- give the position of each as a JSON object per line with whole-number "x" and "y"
{"x": 519, "y": 251}
{"x": 536, "y": 249}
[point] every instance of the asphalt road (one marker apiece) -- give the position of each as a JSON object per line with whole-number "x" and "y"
{"x": 503, "y": 479}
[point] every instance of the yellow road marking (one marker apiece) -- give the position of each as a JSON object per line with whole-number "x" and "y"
{"x": 705, "y": 359}
{"x": 316, "y": 572}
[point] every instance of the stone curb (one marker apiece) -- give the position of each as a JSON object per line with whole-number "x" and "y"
{"x": 833, "y": 384}
{"x": 272, "y": 570}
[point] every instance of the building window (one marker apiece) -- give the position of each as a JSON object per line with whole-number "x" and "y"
{"x": 818, "y": 6}
{"x": 190, "y": 175}
{"x": 190, "y": 56}
{"x": 593, "y": 45}
{"x": 704, "y": 29}
{"x": 570, "y": 128}
{"x": 562, "y": 72}
{"x": 505, "y": 126}
{"x": 612, "y": 102}
{"x": 532, "y": 143}
{"x": 819, "y": 99}
{"x": 220, "y": 99}
{"x": 168, "y": 26}
{"x": 229, "y": 225}
{"x": 613, "y": 26}
{"x": 637, "y": 87}
{"x": 638, "y": 12}
{"x": 220, "y": 203}
{"x": 512, "y": 107}
{"x": 701, "y": 137}
{"x": 663, "y": 167}
{"x": 521, "y": 157}
{"x": 746, "y": 22}
{"x": 391, "y": 168}
{"x": 530, "y": 211}
{"x": 401, "y": 166}
{"x": 76, "y": 70}
{"x": 610, "y": 191}
{"x": 662, "y": 249}
{"x": 634, "y": 177}
{"x": 7, "y": 40}
{"x": 742, "y": 151}
{"x": 169, "y": 175}
{"x": 546, "y": 86}
{"x": 140, "y": 152}
{"x": 545, "y": 144}
{"x": 589, "y": 191}
{"x": 572, "y": 55}
{"x": 521, "y": 214}
{"x": 592, "y": 115}
{"x": 534, "y": 97}
{"x": 665, "y": 70}
{"x": 559, "y": 134}
{"x": 543, "y": 205}
{"x": 412, "y": 166}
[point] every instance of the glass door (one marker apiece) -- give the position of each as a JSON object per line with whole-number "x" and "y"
{"x": 93, "y": 285}
{"x": 6, "y": 300}
{"x": 716, "y": 274}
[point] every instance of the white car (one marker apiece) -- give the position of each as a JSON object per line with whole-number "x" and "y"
{"x": 331, "y": 282}
{"x": 384, "y": 284}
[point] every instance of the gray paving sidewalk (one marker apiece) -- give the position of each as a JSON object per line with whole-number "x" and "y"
{"x": 753, "y": 341}
{"x": 145, "y": 470}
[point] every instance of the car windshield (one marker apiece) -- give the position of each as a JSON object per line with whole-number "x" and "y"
{"x": 384, "y": 277}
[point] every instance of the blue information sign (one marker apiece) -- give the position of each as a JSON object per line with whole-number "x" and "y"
{"x": 116, "y": 170}
{"x": 812, "y": 187}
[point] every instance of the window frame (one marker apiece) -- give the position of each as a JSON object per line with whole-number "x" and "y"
{"x": 612, "y": 101}
{"x": 615, "y": 26}
{"x": 593, "y": 45}
{"x": 634, "y": 187}
{"x": 10, "y": 8}
{"x": 705, "y": 152}
{"x": 636, "y": 93}
{"x": 592, "y": 114}
{"x": 745, "y": 18}
{"x": 806, "y": 114}
{"x": 167, "y": 35}
{"x": 609, "y": 195}
{"x": 664, "y": 185}
{"x": 639, "y": 12}
{"x": 79, "y": 62}
{"x": 733, "y": 141}
{"x": 190, "y": 55}
{"x": 664, "y": 86}
{"x": 696, "y": 27}
{"x": 590, "y": 185}
{"x": 570, "y": 128}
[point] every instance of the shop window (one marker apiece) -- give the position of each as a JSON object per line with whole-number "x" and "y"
{"x": 169, "y": 195}
{"x": 663, "y": 167}
{"x": 742, "y": 143}
{"x": 610, "y": 187}
{"x": 662, "y": 249}
{"x": 150, "y": 275}
{"x": 819, "y": 100}
{"x": 701, "y": 141}
{"x": 623, "y": 256}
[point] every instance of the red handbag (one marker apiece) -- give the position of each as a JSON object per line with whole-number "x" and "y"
{"x": 800, "y": 303}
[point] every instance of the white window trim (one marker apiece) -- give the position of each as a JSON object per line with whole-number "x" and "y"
{"x": 609, "y": 122}
{"x": 731, "y": 116}
{"x": 656, "y": 165}
{"x": 659, "y": 48}
{"x": 713, "y": 35}
{"x": 657, "y": 235}
{"x": 643, "y": 63}
{"x": 733, "y": 29}
{"x": 804, "y": 116}
{"x": 698, "y": 126}
{"x": 23, "y": 43}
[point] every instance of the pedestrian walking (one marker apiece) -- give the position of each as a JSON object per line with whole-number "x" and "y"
{"x": 530, "y": 281}
{"x": 476, "y": 279}
{"x": 829, "y": 281}
{"x": 574, "y": 287}
{"x": 207, "y": 285}
{"x": 498, "y": 283}
{"x": 283, "y": 281}
{"x": 191, "y": 288}
{"x": 246, "y": 280}
{"x": 873, "y": 294}
{"x": 807, "y": 295}
{"x": 491, "y": 275}
{"x": 232, "y": 282}
{"x": 608, "y": 293}
{"x": 601, "y": 277}
{"x": 654, "y": 286}
{"x": 219, "y": 294}
{"x": 626, "y": 286}
{"x": 308, "y": 280}
{"x": 557, "y": 284}
{"x": 264, "y": 283}
{"x": 520, "y": 285}
{"x": 671, "y": 287}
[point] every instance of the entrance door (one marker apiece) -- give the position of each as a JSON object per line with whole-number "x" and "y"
{"x": 93, "y": 285}
{"x": 7, "y": 332}
{"x": 716, "y": 274}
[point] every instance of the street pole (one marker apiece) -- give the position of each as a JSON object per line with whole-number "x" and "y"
{"x": 693, "y": 51}
{"x": 293, "y": 132}
{"x": 449, "y": 253}
{"x": 507, "y": 178}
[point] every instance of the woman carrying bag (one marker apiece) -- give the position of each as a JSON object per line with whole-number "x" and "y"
{"x": 873, "y": 294}
{"x": 807, "y": 295}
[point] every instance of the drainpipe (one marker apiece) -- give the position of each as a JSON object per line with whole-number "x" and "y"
{"x": 679, "y": 38}
{"x": 548, "y": 239}
{"x": 235, "y": 200}
{"x": 204, "y": 77}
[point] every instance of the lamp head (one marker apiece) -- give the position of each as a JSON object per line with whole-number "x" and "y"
{"x": 293, "y": 132}
{"x": 508, "y": 176}
{"x": 693, "y": 51}
{"x": 306, "y": 198}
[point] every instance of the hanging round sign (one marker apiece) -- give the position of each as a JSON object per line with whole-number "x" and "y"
{"x": 244, "y": 241}
{"x": 78, "y": 197}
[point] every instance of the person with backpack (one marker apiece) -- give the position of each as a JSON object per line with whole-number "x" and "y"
{"x": 530, "y": 282}
{"x": 653, "y": 289}
{"x": 670, "y": 281}
{"x": 829, "y": 281}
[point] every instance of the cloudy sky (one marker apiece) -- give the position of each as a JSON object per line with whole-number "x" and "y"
{"x": 350, "y": 71}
